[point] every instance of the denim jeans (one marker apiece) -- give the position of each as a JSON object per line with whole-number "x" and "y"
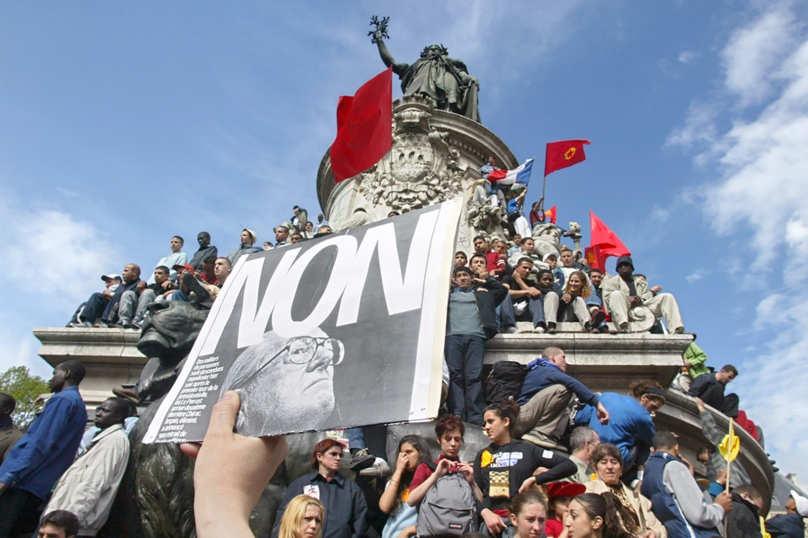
{"x": 464, "y": 357}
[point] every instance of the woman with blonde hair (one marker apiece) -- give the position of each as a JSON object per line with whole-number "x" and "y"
{"x": 576, "y": 291}
{"x": 303, "y": 518}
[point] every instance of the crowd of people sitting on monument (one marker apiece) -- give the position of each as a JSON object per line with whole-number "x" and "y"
{"x": 562, "y": 461}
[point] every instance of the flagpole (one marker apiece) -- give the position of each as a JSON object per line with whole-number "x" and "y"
{"x": 543, "y": 185}
{"x": 730, "y": 442}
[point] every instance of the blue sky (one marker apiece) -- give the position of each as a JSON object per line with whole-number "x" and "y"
{"x": 122, "y": 124}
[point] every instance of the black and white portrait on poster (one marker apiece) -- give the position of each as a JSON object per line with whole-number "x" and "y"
{"x": 341, "y": 331}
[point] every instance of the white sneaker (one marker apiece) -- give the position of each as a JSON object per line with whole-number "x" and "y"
{"x": 379, "y": 469}
{"x": 539, "y": 330}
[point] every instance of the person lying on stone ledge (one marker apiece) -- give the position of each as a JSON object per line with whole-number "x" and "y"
{"x": 546, "y": 394}
{"x": 625, "y": 291}
{"x": 710, "y": 388}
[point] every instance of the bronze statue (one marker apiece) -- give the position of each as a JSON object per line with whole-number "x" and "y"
{"x": 445, "y": 80}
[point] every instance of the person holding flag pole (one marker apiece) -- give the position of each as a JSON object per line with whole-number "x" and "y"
{"x": 518, "y": 179}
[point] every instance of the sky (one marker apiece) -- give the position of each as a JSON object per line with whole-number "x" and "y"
{"x": 123, "y": 124}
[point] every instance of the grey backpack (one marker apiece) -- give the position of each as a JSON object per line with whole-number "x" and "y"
{"x": 449, "y": 507}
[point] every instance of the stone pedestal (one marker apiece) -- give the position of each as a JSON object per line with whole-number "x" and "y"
{"x": 110, "y": 356}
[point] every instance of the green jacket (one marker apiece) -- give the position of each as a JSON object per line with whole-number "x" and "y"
{"x": 697, "y": 358}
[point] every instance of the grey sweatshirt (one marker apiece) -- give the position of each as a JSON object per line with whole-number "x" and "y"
{"x": 679, "y": 483}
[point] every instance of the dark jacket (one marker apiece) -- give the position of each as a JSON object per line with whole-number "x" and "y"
{"x": 116, "y": 297}
{"x": 345, "y": 506}
{"x": 786, "y": 525}
{"x": 743, "y": 521}
{"x": 540, "y": 377}
{"x": 701, "y": 384}
{"x": 201, "y": 255}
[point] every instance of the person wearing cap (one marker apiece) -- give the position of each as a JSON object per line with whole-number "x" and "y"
{"x": 246, "y": 247}
{"x": 790, "y": 524}
{"x": 109, "y": 315}
{"x": 624, "y": 291}
{"x": 676, "y": 497}
{"x": 206, "y": 250}
{"x": 175, "y": 258}
{"x": 471, "y": 321}
{"x": 559, "y": 496}
{"x": 97, "y": 301}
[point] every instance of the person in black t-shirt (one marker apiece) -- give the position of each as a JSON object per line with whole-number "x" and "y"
{"x": 507, "y": 466}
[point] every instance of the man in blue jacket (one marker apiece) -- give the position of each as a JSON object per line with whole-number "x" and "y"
{"x": 48, "y": 448}
{"x": 471, "y": 321}
{"x": 790, "y": 524}
{"x": 546, "y": 393}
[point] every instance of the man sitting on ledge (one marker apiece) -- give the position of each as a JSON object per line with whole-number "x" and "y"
{"x": 546, "y": 393}
{"x": 624, "y": 291}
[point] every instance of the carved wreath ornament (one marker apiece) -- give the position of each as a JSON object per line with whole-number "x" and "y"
{"x": 420, "y": 169}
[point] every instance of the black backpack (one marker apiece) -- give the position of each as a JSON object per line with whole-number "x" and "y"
{"x": 505, "y": 381}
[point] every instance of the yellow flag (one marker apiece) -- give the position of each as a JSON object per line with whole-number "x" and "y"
{"x": 763, "y": 528}
{"x": 730, "y": 452}
{"x": 485, "y": 459}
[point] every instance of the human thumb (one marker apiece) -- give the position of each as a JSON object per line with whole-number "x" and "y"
{"x": 223, "y": 416}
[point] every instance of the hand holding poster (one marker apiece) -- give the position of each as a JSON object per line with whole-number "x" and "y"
{"x": 342, "y": 331}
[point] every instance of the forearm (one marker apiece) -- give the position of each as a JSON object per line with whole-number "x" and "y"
{"x": 388, "y": 498}
{"x": 417, "y": 495}
{"x": 387, "y": 58}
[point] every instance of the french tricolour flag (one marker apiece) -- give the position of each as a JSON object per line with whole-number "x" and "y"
{"x": 519, "y": 175}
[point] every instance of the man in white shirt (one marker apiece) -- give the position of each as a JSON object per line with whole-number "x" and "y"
{"x": 175, "y": 258}
{"x": 89, "y": 486}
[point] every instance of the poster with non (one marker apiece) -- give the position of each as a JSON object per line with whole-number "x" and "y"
{"x": 340, "y": 331}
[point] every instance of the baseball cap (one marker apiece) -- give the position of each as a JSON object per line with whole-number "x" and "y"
{"x": 565, "y": 489}
{"x": 801, "y": 502}
{"x": 186, "y": 266}
{"x": 111, "y": 276}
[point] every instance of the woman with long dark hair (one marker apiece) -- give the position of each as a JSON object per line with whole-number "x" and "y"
{"x": 596, "y": 516}
{"x": 506, "y": 466}
{"x": 412, "y": 452}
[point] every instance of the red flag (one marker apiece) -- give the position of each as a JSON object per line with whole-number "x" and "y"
{"x": 551, "y": 214}
{"x": 594, "y": 258}
{"x": 563, "y": 154}
{"x": 604, "y": 243}
{"x": 364, "y": 127}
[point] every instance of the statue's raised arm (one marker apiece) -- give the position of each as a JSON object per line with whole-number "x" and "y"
{"x": 378, "y": 36}
{"x": 445, "y": 80}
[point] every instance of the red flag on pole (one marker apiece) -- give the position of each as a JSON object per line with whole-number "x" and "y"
{"x": 364, "y": 127}
{"x": 551, "y": 214}
{"x": 563, "y": 154}
{"x": 604, "y": 243}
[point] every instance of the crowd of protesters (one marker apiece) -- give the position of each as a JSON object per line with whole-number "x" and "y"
{"x": 562, "y": 461}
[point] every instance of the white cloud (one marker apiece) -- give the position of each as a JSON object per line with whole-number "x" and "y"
{"x": 687, "y": 56}
{"x": 759, "y": 204}
{"x": 53, "y": 257}
{"x": 696, "y": 275}
{"x": 756, "y": 51}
